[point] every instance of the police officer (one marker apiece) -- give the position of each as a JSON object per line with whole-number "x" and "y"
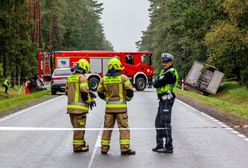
{"x": 79, "y": 101}
{"x": 165, "y": 85}
{"x": 116, "y": 89}
{"x": 6, "y": 85}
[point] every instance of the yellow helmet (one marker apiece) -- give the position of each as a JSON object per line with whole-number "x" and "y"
{"x": 84, "y": 64}
{"x": 114, "y": 64}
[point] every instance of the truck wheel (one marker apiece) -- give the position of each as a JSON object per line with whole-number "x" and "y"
{"x": 140, "y": 84}
{"x": 93, "y": 83}
{"x": 53, "y": 92}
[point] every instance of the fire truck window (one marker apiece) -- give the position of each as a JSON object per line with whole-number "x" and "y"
{"x": 129, "y": 59}
{"x": 146, "y": 59}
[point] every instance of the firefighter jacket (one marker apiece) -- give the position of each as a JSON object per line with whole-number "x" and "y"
{"x": 169, "y": 79}
{"x": 115, "y": 89}
{"x": 76, "y": 84}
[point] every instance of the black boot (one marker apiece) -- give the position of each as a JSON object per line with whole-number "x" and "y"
{"x": 165, "y": 150}
{"x": 168, "y": 149}
{"x": 156, "y": 149}
{"x": 104, "y": 152}
{"x": 129, "y": 152}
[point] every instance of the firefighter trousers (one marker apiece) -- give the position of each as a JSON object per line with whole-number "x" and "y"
{"x": 163, "y": 120}
{"x": 78, "y": 121}
{"x": 109, "y": 122}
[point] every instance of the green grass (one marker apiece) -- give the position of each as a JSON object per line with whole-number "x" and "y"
{"x": 234, "y": 93}
{"x": 17, "y": 98}
{"x": 233, "y": 98}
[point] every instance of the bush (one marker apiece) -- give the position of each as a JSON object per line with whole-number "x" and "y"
{"x": 244, "y": 77}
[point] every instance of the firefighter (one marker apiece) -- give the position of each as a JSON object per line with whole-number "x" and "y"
{"x": 165, "y": 85}
{"x": 79, "y": 102}
{"x": 116, "y": 89}
{"x": 6, "y": 85}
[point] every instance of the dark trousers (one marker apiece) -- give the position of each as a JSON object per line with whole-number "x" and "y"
{"x": 6, "y": 88}
{"x": 163, "y": 120}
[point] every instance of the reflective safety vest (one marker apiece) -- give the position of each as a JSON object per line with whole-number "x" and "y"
{"x": 167, "y": 87}
{"x": 76, "y": 105}
{"x": 6, "y": 83}
{"x": 115, "y": 95}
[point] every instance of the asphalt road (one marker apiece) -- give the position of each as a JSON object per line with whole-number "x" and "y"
{"x": 199, "y": 140}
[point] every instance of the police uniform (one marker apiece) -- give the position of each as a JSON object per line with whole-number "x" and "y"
{"x": 116, "y": 90}
{"x": 165, "y": 85}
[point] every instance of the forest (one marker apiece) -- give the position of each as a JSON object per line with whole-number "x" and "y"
{"x": 211, "y": 31}
{"x": 29, "y": 26}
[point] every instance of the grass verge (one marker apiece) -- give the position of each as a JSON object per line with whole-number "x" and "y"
{"x": 15, "y": 103}
{"x": 232, "y": 99}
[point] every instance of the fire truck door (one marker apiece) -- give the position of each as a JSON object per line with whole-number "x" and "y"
{"x": 99, "y": 65}
{"x": 105, "y": 65}
{"x": 95, "y": 65}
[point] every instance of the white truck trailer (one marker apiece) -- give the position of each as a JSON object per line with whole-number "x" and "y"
{"x": 204, "y": 78}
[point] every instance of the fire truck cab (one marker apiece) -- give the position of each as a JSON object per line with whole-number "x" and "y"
{"x": 137, "y": 65}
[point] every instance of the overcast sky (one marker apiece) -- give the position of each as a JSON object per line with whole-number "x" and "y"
{"x": 124, "y": 21}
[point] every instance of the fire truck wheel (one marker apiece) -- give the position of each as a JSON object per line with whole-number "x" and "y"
{"x": 93, "y": 83}
{"x": 140, "y": 84}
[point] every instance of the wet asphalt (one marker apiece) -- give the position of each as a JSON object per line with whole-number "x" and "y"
{"x": 199, "y": 141}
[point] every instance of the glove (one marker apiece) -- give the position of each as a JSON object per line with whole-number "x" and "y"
{"x": 92, "y": 95}
{"x": 128, "y": 98}
{"x": 92, "y": 104}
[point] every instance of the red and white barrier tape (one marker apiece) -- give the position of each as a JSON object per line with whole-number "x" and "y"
{"x": 221, "y": 126}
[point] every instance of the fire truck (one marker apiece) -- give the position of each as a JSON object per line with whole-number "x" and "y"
{"x": 137, "y": 65}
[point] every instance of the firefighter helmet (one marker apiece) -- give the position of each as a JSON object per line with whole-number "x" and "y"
{"x": 166, "y": 57}
{"x": 84, "y": 64}
{"x": 114, "y": 64}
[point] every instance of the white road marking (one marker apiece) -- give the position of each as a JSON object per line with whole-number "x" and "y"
{"x": 221, "y": 123}
{"x": 98, "y": 143}
{"x": 27, "y": 109}
{"x": 241, "y": 135}
{"x": 218, "y": 122}
{"x": 228, "y": 128}
{"x": 235, "y": 132}
{"x": 187, "y": 105}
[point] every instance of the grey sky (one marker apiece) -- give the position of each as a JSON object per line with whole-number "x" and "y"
{"x": 124, "y": 21}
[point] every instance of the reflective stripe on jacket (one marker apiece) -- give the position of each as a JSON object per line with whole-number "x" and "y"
{"x": 76, "y": 83}
{"x": 114, "y": 88}
{"x": 168, "y": 87}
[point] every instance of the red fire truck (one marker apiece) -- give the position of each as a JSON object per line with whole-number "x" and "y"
{"x": 137, "y": 65}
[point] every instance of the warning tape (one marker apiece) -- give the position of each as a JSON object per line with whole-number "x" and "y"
{"x": 102, "y": 129}
{"x": 221, "y": 126}
{"x": 69, "y": 129}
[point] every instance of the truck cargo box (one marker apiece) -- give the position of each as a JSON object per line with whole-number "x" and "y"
{"x": 204, "y": 77}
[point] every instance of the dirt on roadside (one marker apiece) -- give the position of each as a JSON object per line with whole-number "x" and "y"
{"x": 223, "y": 116}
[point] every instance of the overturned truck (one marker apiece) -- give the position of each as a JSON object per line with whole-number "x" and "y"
{"x": 204, "y": 78}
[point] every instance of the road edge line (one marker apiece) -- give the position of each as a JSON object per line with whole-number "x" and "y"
{"x": 26, "y": 109}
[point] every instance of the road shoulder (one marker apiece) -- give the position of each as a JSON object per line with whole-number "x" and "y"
{"x": 225, "y": 117}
